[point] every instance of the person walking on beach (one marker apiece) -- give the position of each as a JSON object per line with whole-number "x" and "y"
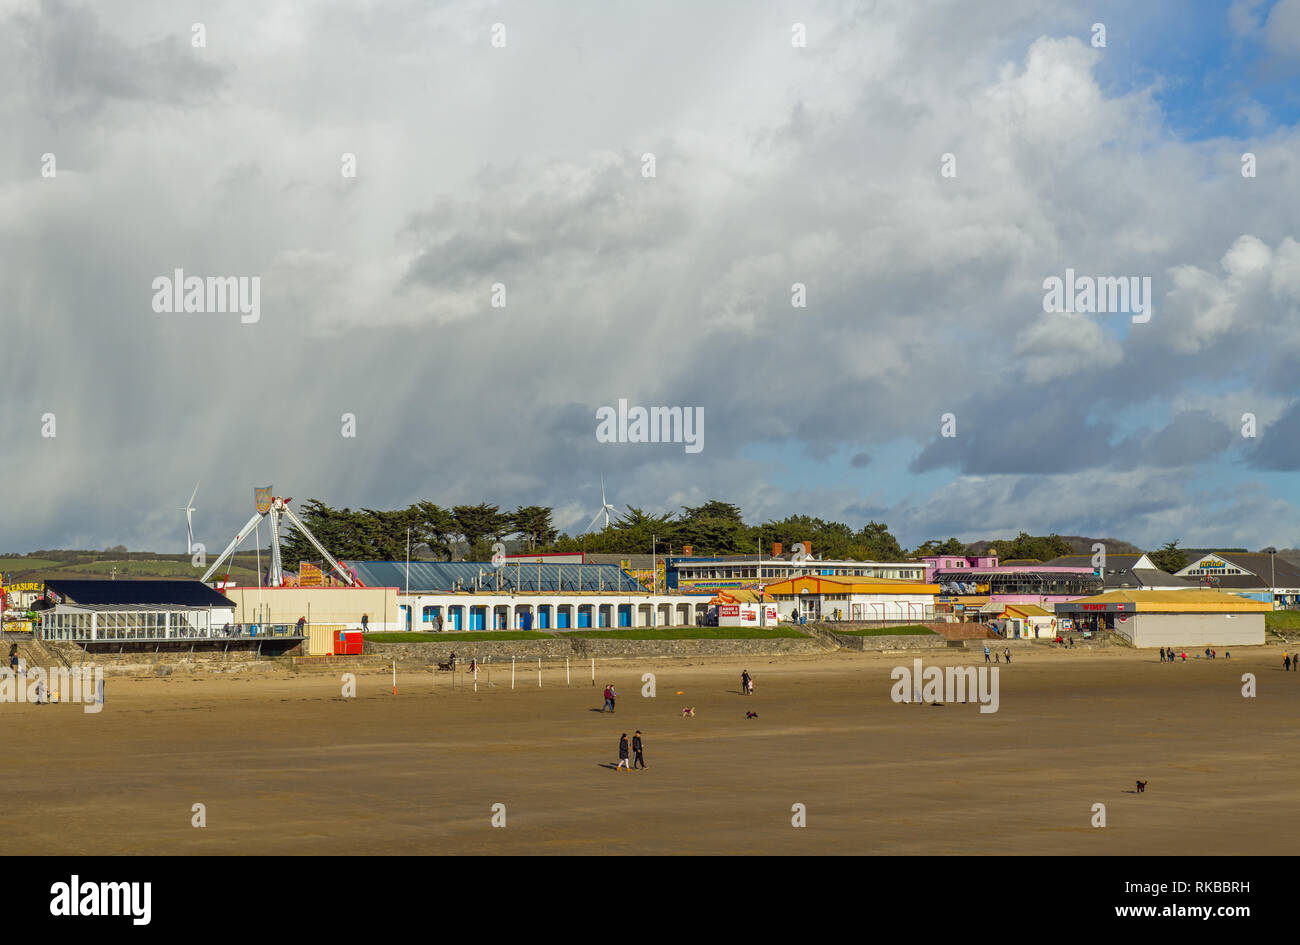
{"x": 1286, "y": 663}
{"x": 749, "y": 690}
{"x": 1006, "y": 652}
{"x": 622, "y": 753}
{"x": 637, "y": 749}
{"x": 1162, "y": 654}
{"x": 986, "y": 653}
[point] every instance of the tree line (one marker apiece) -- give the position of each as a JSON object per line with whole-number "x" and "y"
{"x": 468, "y": 532}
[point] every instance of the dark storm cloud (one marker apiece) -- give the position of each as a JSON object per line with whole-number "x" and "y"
{"x": 1277, "y": 445}
{"x": 523, "y": 166}
{"x": 1191, "y": 437}
{"x": 74, "y": 67}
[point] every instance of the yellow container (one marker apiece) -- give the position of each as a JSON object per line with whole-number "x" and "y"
{"x": 320, "y": 638}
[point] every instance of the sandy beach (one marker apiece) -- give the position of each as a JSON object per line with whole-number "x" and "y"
{"x": 286, "y": 764}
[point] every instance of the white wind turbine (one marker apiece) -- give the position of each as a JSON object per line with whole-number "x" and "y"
{"x": 605, "y": 508}
{"x": 189, "y": 511}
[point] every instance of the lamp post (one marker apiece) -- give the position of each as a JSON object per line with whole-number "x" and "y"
{"x": 1272, "y": 580}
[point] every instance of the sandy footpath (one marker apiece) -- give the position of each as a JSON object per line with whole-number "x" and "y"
{"x": 285, "y": 764}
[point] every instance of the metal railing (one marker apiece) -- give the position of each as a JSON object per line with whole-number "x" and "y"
{"x": 154, "y": 635}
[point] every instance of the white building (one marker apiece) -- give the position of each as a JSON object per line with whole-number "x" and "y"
{"x": 859, "y": 598}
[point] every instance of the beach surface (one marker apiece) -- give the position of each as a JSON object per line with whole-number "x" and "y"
{"x": 283, "y": 763}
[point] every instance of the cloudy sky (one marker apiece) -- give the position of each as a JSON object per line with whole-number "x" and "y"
{"x": 774, "y": 164}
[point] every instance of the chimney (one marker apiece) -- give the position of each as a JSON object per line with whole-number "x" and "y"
{"x": 776, "y": 549}
{"x": 688, "y": 550}
{"x": 807, "y": 548}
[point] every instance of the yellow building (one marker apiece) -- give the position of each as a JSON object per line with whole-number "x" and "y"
{"x": 823, "y": 597}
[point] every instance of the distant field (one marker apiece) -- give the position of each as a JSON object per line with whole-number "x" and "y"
{"x": 909, "y": 630}
{"x": 89, "y": 566}
{"x": 21, "y": 565}
{"x": 688, "y": 633}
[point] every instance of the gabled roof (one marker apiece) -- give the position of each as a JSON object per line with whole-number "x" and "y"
{"x": 1027, "y": 610}
{"x": 842, "y": 584}
{"x": 1258, "y": 563}
{"x": 1116, "y": 561}
{"x": 145, "y": 593}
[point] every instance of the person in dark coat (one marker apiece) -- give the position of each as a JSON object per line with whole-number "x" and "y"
{"x": 622, "y": 753}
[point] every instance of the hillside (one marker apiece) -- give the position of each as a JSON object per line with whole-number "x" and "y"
{"x": 42, "y": 565}
{"x": 1079, "y": 543}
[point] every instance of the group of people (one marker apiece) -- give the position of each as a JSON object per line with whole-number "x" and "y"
{"x": 746, "y": 684}
{"x": 1290, "y": 662}
{"x": 1006, "y": 651}
{"x": 1167, "y": 654}
{"x": 610, "y": 696}
{"x": 638, "y": 749}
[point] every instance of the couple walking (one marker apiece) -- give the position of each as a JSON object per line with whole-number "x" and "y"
{"x": 637, "y": 748}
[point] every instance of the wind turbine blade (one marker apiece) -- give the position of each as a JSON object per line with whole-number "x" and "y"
{"x": 193, "y": 494}
{"x": 602, "y": 490}
{"x": 592, "y": 522}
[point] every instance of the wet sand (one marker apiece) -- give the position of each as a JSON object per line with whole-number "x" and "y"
{"x": 285, "y": 764}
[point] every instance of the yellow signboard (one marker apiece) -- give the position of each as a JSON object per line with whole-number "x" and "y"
{"x": 310, "y": 575}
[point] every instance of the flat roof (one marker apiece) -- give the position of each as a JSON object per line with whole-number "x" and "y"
{"x": 92, "y": 593}
{"x": 1190, "y": 601}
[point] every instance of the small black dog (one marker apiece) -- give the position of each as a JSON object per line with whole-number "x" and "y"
{"x": 1142, "y": 786}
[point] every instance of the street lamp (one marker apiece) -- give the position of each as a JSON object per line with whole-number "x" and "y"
{"x": 1272, "y": 580}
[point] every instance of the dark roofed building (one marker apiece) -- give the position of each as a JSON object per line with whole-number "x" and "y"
{"x": 90, "y": 612}
{"x": 1256, "y": 573}
{"x": 1128, "y": 571}
{"x": 92, "y": 593}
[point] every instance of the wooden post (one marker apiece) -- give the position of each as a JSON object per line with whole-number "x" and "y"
{"x": 512, "y": 672}
{"x": 539, "y": 672}
{"x": 566, "y": 671}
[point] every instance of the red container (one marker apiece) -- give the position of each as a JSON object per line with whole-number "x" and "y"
{"x": 348, "y": 643}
